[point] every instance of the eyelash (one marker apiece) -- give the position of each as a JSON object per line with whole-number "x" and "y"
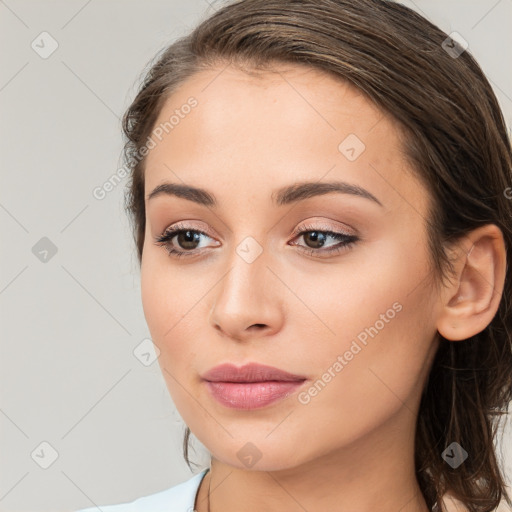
{"x": 346, "y": 240}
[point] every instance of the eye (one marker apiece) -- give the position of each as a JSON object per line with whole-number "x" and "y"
{"x": 186, "y": 238}
{"x": 317, "y": 237}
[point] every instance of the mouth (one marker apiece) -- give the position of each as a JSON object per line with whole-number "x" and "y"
{"x": 251, "y": 386}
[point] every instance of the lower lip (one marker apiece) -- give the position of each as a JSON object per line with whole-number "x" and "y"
{"x": 251, "y": 395}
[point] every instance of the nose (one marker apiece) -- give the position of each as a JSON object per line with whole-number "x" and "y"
{"x": 248, "y": 301}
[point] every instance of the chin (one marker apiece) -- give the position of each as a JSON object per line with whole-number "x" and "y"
{"x": 258, "y": 455}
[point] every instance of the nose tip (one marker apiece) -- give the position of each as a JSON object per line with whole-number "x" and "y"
{"x": 246, "y": 295}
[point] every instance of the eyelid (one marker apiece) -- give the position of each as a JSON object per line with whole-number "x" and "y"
{"x": 187, "y": 226}
{"x": 308, "y": 225}
{"x": 320, "y": 225}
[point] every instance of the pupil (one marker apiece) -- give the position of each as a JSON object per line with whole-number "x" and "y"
{"x": 315, "y": 236}
{"x": 187, "y": 237}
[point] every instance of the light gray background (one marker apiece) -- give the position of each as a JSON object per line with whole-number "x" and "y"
{"x": 69, "y": 326}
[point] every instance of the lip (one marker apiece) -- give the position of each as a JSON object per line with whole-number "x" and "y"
{"x": 250, "y": 386}
{"x": 252, "y": 372}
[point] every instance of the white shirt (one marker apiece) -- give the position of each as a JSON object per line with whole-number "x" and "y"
{"x": 179, "y": 498}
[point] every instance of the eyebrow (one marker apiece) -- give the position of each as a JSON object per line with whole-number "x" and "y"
{"x": 280, "y": 197}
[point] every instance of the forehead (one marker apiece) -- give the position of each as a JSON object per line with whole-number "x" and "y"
{"x": 272, "y": 128}
{"x": 228, "y": 96}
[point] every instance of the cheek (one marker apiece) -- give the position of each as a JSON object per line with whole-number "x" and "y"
{"x": 166, "y": 294}
{"x": 373, "y": 292}
{"x": 175, "y": 305}
{"x": 154, "y": 283}
{"x": 167, "y": 303}
{"x": 382, "y": 342}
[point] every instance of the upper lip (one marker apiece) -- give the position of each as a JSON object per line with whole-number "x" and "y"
{"x": 252, "y": 372}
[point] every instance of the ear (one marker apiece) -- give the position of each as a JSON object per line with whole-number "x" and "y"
{"x": 471, "y": 300}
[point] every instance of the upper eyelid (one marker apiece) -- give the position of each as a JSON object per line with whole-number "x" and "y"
{"x": 184, "y": 227}
{"x": 173, "y": 230}
{"x": 310, "y": 226}
{"x": 298, "y": 231}
{"x": 322, "y": 226}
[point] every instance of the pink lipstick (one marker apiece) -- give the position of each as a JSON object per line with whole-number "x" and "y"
{"x": 250, "y": 386}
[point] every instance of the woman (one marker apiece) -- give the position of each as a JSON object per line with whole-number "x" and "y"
{"x": 321, "y": 202}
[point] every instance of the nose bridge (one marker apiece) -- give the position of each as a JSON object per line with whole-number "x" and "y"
{"x": 249, "y": 243}
{"x": 245, "y": 296}
{"x": 248, "y": 269}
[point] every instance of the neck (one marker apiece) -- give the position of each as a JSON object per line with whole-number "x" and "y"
{"x": 374, "y": 472}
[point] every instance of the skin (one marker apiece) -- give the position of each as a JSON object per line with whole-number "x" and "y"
{"x": 351, "y": 447}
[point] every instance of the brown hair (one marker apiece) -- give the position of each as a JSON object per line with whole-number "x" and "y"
{"x": 457, "y": 144}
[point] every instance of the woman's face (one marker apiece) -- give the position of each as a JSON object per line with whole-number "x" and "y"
{"x": 357, "y": 321}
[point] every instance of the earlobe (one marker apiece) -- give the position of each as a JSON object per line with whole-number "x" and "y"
{"x": 471, "y": 300}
